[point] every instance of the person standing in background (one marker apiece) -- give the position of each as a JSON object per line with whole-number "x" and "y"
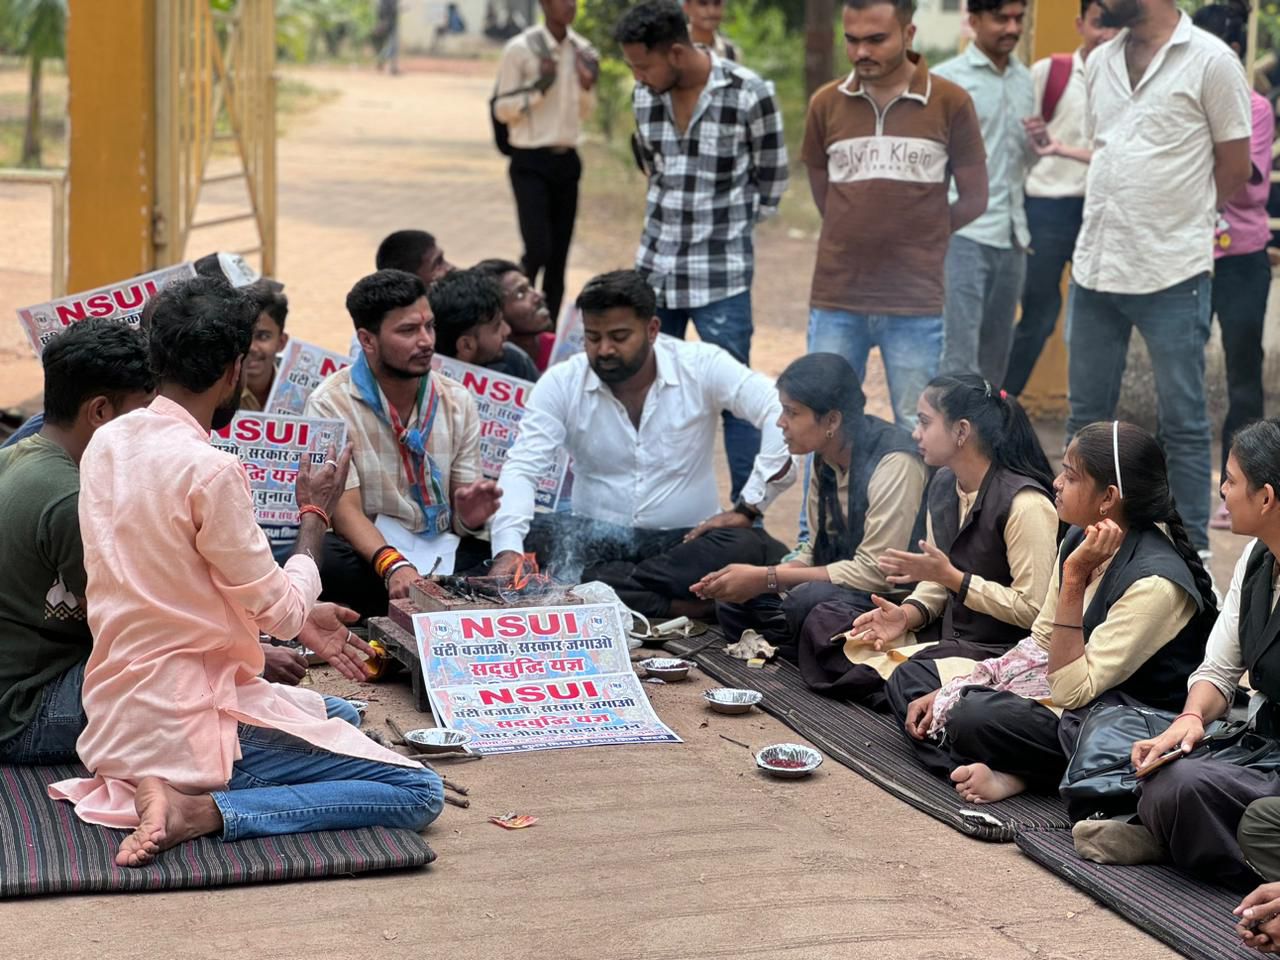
{"x": 704, "y": 18}
{"x": 386, "y": 36}
{"x": 546, "y": 88}
{"x": 709, "y": 134}
{"x": 1241, "y": 269}
{"x": 986, "y": 260}
{"x": 1055, "y": 191}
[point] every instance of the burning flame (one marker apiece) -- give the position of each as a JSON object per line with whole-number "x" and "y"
{"x": 526, "y": 573}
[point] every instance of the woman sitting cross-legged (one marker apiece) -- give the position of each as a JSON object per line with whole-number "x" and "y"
{"x": 986, "y": 562}
{"x": 1124, "y": 621}
{"x": 1196, "y": 807}
{"x": 863, "y": 499}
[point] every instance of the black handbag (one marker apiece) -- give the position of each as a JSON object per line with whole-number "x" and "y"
{"x": 1100, "y": 779}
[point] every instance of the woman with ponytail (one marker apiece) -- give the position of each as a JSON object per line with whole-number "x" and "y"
{"x": 1217, "y": 820}
{"x": 1124, "y": 621}
{"x": 864, "y": 498}
{"x": 985, "y": 562}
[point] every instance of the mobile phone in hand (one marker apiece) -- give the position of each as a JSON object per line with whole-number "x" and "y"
{"x": 1163, "y": 760}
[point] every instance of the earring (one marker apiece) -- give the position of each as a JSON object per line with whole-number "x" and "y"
{"x": 1103, "y": 511}
{"x": 830, "y": 434}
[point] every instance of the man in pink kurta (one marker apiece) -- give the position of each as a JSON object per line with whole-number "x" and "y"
{"x": 181, "y": 581}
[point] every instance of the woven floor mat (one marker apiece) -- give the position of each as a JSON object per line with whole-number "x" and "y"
{"x": 1192, "y": 918}
{"x": 871, "y": 744}
{"x": 45, "y": 848}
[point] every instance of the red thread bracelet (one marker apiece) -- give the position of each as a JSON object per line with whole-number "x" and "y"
{"x": 318, "y": 511}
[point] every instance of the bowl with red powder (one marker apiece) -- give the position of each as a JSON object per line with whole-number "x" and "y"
{"x": 788, "y": 761}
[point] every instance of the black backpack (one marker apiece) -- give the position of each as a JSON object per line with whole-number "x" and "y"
{"x": 501, "y": 135}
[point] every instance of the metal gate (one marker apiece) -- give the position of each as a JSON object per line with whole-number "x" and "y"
{"x": 215, "y": 128}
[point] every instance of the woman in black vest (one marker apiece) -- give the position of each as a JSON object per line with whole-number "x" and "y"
{"x": 864, "y": 497}
{"x": 987, "y": 559}
{"x": 1125, "y": 620}
{"x": 1194, "y": 807}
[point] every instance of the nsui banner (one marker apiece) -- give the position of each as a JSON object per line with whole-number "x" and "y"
{"x": 538, "y": 678}
{"x": 302, "y": 368}
{"x": 121, "y": 301}
{"x": 500, "y": 402}
{"x": 270, "y": 448}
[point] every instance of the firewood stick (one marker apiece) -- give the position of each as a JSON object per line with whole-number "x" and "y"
{"x": 455, "y": 787}
{"x": 395, "y": 728}
{"x": 457, "y": 755}
{"x": 457, "y": 802}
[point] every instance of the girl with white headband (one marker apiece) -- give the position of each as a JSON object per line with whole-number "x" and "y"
{"x": 1124, "y": 621}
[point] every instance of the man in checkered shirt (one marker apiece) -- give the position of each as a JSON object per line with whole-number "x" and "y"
{"x": 709, "y": 135}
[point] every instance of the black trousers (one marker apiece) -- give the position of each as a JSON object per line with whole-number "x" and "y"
{"x": 1240, "y": 288}
{"x": 780, "y": 618}
{"x": 647, "y": 568}
{"x": 1008, "y": 733}
{"x": 545, "y": 183}
{"x": 1196, "y": 808}
{"x": 347, "y": 579}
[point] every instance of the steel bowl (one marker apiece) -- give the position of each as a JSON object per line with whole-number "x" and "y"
{"x": 730, "y": 700}
{"x": 771, "y": 760}
{"x": 437, "y": 739}
{"x": 666, "y": 668}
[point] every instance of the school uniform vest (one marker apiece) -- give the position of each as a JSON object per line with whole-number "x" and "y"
{"x": 977, "y": 547}
{"x": 875, "y": 439}
{"x": 1162, "y": 681}
{"x": 1258, "y": 631}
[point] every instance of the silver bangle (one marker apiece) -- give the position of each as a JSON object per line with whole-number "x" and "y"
{"x": 398, "y": 565}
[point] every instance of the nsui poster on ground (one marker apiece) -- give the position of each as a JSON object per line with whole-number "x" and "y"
{"x": 539, "y": 678}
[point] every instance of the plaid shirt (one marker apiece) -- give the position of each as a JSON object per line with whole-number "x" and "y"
{"x": 708, "y": 187}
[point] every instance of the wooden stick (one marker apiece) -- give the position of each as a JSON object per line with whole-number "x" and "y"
{"x": 464, "y": 803}
{"x": 457, "y": 755}
{"x": 455, "y": 787}
{"x": 395, "y": 728}
{"x": 736, "y": 742}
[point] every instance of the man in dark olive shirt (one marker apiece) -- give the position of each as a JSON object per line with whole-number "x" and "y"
{"x": 97, "y": 370}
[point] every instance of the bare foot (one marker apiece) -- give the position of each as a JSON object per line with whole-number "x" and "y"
{"x": 166, "y": 818}
{"x": 978, "y": 783}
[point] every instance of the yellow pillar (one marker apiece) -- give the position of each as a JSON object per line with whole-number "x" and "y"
{"x": 1053, "y": 30}
{"x": 111, "y": 154}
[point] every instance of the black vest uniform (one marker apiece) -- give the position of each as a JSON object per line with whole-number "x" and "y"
{"x": 1258, "y": 633}
{"x": 978, "y": 547}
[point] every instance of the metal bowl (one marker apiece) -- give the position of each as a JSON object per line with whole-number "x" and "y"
{"x": 666, "y": 668}
{"x": 438, "y": 739}
{"x": 770, "y": 760}
{"x": 730, "y": 700}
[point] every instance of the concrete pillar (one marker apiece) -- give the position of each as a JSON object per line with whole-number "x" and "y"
{"x": 111, "y": 153}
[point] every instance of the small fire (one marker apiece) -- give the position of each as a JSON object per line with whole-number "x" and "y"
{"x": 526, "y": 574}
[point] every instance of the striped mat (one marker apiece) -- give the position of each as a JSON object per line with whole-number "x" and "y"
{"x": 46, "y": 849}
{"x": 870, "y": 744}
{"x": 1190, "y": 917}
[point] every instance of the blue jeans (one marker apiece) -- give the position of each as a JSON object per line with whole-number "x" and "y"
{"x": 283, "y": 785}
{"x": 1174, "y": 323}
{"x": 983, "y": 287}
{"x": 909, "y": 346}
{"x": 1054, "y": 225}
{"x": 727, "y": 324}
{"x": 51, "y": 735}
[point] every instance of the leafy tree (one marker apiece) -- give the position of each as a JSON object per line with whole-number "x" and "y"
{"x": 35, "y": 29}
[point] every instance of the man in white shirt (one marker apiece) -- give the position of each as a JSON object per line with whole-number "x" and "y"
{"x": 638, "y": 414}
{"x": 546, "y": 88}
{"x": 1054, "y": 191}
{"x": 1170, "y": 119}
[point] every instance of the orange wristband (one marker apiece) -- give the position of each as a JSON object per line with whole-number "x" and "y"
{"x": 318, "y": 511}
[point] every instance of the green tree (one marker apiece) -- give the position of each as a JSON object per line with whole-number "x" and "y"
{"x": 35, "y": 29}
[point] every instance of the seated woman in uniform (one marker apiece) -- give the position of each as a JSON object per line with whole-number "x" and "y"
{"x": 864, "y": 498}
{"x": 986, "y": 561}
{"x": 1196, "y": 807}
{"x": 1124, "y": 621}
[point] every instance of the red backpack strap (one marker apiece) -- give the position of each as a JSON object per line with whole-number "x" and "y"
{"x": 1060, "y": 65}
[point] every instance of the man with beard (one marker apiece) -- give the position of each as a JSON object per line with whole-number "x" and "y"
{"x": 183, "y": 736}
{"x": 525, "y": 310}
{"x": 415, "y": 486}
{"x": 1170, "y": 120}
{"x": 710, "y": 136}
{"x": 638, "y": 414}
{"x": 881, "y": 147}
{"x": 987, "y": 259}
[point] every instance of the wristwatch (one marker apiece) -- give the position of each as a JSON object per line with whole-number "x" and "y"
{"x": 749, "y": 511}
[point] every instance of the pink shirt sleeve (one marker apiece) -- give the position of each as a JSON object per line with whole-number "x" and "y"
{"x": 277, "y": 600}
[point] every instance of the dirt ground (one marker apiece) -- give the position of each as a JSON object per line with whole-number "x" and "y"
{"x": 653, "y": 852}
